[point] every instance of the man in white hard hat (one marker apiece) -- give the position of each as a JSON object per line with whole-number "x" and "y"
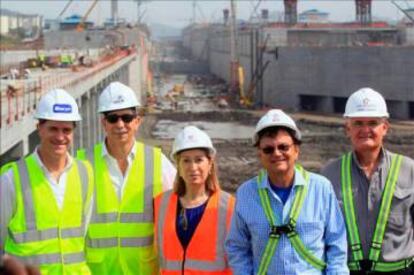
{"x": 45, "y": 198}
{"x": 128, "y": 175}
{"x": 286, "y": 220}
{"x": 376, "y": 191}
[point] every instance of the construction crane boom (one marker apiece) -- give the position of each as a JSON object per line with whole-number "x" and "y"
{"x": 403, "y": 11}
{"x": 65, "y": 8}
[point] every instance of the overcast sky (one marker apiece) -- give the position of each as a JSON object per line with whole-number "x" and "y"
{"x": 179, "y": 13}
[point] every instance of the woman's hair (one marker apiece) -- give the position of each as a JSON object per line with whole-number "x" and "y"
{"x": 212, "y": 182}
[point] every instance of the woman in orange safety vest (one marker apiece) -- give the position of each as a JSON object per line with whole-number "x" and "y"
{"x": 192, "y": 220}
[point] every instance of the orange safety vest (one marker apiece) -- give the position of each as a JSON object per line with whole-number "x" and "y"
{"x": 205, "y": 253}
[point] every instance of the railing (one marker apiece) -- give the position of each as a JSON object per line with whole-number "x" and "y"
{"x": 19, "y": 97}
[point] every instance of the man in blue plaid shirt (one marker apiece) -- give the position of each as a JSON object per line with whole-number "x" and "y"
{"x": 286, "y": 220}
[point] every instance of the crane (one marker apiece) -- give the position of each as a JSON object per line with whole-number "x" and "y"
{"x": 403, "y": 11}
{"x": 81, "y": 26}
{"x": 65, "y": 8}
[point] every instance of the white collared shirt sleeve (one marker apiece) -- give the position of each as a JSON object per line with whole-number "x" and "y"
{"x": 7, "y": 204}
{"x": 168, "y": 173}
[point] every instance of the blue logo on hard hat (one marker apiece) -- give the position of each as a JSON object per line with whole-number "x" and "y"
{"x": 62, "y": 108}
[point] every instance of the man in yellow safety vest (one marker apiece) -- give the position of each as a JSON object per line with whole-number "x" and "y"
{"x": 45, "y": 198}
{"x": 129, "y": 174}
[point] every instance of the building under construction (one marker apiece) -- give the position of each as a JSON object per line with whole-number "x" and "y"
{"x": 312, "y": 66}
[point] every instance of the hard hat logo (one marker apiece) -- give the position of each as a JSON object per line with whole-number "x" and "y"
{"x": 276, "y": 117}
{"x": 62, "y": 108}
{"x": 120, "y": 99}
{"x": 191, "y": 138}
{"x": 365, "y": 101}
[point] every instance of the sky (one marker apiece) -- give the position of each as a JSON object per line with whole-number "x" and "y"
{"x": 179, "y": 13}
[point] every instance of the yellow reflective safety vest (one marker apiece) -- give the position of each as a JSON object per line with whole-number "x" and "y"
{"x": 65, "y": 59}
{"x": 120, "y": 235}
{"x": 40, "y": 233}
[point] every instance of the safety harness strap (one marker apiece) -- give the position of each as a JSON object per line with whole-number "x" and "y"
{"x": 288, "y": 229}
{"x": 372, "y": 263}
{"x": 350, "y": 220}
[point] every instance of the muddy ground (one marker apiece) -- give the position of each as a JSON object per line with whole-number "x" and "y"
{"x": 323, "y": 139}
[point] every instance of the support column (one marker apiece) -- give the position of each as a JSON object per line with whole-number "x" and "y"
{"x": 95, "y": 118}
{"x": 80, "y": 128}
{"x": 87, "y": 119}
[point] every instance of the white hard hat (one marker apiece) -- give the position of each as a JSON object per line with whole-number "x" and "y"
{"x": 190, "y": 138}
{"x": 58, "y": 105}
{"x": 366, "y": 103}
{"x": 276, "y": 118}
{"x": 117, "y": 96}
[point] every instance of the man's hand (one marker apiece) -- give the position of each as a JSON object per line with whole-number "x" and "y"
{"x": 11, "y": 266}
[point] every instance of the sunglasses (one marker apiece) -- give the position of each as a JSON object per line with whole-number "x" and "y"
{"x": 113, "y": 118}
{"x": 283, "y": 148}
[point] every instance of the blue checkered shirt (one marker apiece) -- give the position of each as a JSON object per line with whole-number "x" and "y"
{"x": 320, "y": 226}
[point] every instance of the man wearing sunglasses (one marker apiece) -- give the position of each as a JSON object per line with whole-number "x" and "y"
{"x": 286, "y": 220}
{"x": 376, "y": 191}
{"x": 128, "y": 175}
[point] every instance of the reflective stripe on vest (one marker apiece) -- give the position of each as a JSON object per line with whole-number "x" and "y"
{"x": 29, "y": 231}
{"x": 101, "y": 237}
{"x": 70, "y": 258}
{"x": 383, "y": 214}
{"x": 208, "y": 261}
{"x": 288, "y": 229}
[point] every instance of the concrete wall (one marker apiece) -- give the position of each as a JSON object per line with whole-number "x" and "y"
{"x": 409, "y": 35}
{"x": 73, "y": 39}
{"x": 337, "y": 72}
{"x": 320, "y": 78}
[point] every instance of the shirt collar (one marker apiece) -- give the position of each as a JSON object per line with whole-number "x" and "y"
{"x": 381, "y": 158}
{"x": 41, "y": 164}
{"x": 131, "y": 154}
{"x": 297, "y": 181}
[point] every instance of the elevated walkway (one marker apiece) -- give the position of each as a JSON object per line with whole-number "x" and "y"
{"x": 18, "y": 100}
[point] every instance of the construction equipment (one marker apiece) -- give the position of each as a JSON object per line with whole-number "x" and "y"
{"x": 404, "y": 11}
{"x": 291, "y": 11}
{"x": 81, "y": 26}
{"x": 247, "y": 99}
{"x": 64, "y": 9}
{"x": 234, "y": 60}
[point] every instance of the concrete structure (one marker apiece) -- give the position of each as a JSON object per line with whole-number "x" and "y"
{"x": 313, "y": 16}
{"x": 17, "y": 126}
{"x": 315, "y": 69}
{"x": 10, "y": 21}
{"x": 72, "y": 39}
{"x": 73, "y": 21}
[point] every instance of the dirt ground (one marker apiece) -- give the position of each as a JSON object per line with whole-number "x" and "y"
{"x": 323, "y": 139}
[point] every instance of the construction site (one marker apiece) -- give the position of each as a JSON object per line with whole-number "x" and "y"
{"x": 221, "y": 77}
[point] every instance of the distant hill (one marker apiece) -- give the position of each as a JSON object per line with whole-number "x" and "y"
{"x": 160, "y": 31}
